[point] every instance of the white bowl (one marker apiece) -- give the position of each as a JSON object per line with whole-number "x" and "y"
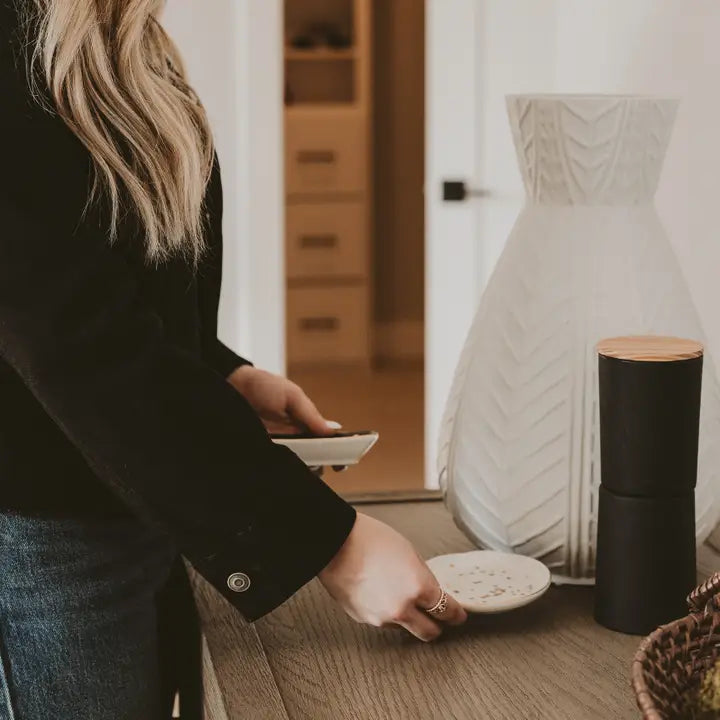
{"x": 483, "y": 581}
{"x": 337, "y": 450}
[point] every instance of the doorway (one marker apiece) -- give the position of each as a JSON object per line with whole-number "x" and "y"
{"x": 354, "y": 98}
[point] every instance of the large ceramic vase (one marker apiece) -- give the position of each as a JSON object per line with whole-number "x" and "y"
{"x": 587, "y": 259}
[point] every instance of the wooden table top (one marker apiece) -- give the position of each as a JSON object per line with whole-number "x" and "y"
{"x": 308, "y": 660}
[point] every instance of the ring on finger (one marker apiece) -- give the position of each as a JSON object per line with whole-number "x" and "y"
{"x": 440, "y": 606}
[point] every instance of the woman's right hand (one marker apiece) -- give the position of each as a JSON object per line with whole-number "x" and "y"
{"x": 379, "y": 579}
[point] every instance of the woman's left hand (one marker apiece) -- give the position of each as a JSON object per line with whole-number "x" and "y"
{"x": 281, "y": 404}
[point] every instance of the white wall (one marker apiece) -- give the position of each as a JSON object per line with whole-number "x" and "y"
{"x": 662, "y": 47}
{"x": 481, "y": 50}
{"x": 233, "y": 52}
{"x": 665, "y": 47}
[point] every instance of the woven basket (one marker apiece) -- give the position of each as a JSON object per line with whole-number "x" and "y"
{"x": 670, "y": 664}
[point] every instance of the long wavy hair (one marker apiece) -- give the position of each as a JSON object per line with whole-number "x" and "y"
{"x": 118, "y": 81}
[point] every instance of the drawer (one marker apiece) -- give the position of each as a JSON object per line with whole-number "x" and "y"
{"x": 325, "y": 153}
{"x": 326, "y": 240}
{"x": 328, "y": 324}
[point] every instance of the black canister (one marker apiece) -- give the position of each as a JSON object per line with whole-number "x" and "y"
{"x": 649, "y": 423}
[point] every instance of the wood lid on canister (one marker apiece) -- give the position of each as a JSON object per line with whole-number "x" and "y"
{"x": 650, "y": 348}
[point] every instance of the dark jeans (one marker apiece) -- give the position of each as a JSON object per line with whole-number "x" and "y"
{"x": 88, "y": 620}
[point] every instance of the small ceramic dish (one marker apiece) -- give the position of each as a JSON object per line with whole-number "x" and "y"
{"x": 335, "y": 451}
{"x": 483, "y": 581}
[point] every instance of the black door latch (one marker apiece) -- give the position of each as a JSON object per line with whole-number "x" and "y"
{"x": 457, "y": 191}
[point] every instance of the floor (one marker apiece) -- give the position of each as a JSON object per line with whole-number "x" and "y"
{"x": 389, "y": 400}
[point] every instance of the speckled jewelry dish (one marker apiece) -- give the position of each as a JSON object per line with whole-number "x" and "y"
{"x": 483, "y": 581}
{"x": 337, "y": 450}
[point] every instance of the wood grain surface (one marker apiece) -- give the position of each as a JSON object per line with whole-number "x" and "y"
{"x": 238, "y": 680}
{"x": 650, "y": 348}
{"x": 308, "y": 660}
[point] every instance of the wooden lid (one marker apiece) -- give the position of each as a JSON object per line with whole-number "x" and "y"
{"x": 650, "y": 348}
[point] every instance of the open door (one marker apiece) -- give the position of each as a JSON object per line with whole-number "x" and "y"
{"x": 478, "y": 51}
{"x": 452, "y": 254}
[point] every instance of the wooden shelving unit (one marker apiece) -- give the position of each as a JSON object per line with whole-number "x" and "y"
{"x": 328, "y": 123}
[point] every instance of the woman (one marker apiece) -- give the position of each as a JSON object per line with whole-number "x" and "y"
{"x": 128, "y": 433}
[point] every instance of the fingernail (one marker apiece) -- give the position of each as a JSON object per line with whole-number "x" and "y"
{"x": 332, "y": 425}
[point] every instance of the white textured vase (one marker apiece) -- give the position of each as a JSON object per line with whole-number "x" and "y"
{"x": 588, "y": 258}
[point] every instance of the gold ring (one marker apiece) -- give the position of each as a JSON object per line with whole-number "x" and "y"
{"x": 441, "y": 605}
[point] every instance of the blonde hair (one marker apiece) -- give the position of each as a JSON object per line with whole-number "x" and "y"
{"x": 118, "y": 81}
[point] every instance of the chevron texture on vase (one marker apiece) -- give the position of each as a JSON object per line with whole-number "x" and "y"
{"x": 588, "y": 258}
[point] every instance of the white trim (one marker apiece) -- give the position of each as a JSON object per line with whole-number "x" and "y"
{"x": 400, "y": 340}
{"x": 258, "y": 271}
{"x": 234, "y": 54}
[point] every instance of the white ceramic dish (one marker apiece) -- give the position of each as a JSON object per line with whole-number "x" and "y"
{"x": 338, "y": 450}
{"x": 483, "y": 581}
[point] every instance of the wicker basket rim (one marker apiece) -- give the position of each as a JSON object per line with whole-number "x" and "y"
{"x": 700, "y": 603}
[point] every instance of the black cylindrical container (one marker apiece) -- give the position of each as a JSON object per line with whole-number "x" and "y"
{"x": 645, "y": 560}
{"x": 649, "y": 423}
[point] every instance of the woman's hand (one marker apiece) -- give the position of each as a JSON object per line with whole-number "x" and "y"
{"x": 282, "y": 405}
{"x": 378, "y": 579}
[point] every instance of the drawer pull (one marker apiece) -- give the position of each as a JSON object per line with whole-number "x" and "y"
{"x": 316, "y": 157}
{"x": 318, "y": 241}
{"x": 322, "y": 324}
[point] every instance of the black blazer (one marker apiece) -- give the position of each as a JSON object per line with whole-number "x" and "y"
{"x": 113, "y": 396}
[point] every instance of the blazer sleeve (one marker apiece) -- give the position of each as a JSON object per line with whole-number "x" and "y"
{"x": 215, "y": 352}
{"x": 159, "y": 426}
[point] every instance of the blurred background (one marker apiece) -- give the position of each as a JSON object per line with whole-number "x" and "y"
{"x": 371, "y": 181}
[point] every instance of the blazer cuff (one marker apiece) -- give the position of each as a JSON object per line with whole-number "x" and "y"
{"x": 303, "y": 529}
{"x": 223, "y": 360}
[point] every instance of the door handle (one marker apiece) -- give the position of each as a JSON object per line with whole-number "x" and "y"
{"x": 318, "y": 241}
{"x": 316, "y": 157}
{"x": 458, "y": 190}
{"x": 326, "y": 324}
